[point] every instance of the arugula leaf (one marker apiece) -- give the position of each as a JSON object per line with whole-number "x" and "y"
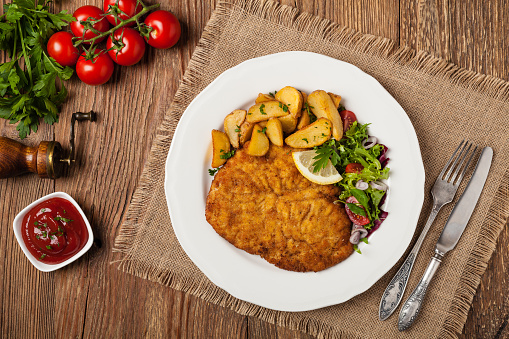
{"x": 31, "y": 83}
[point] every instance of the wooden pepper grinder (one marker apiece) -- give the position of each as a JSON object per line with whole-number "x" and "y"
{"x": 47, "y": 159}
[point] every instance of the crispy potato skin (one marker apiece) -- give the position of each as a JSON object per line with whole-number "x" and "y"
{"x": 322, "y": 106}
{"x": 336, "y": 99}
{"x": 312, "y": 135}
{"x": 292, "y": 98}
{"x": 263, "y": 98}
{"x": 257, "y": 113}
{"x": 220, "y": 145}
{"x": 275, "y": 131}
{"x": 246, "y": 129}
{"x": 264, "y": 206}
{"x": 288, "y": 123}
{"x": 304, "y": 120}
{"x": 259, "y": 143}
{"x": 232, "y": 123}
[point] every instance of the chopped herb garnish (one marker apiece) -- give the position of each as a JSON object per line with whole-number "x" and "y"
{"x": 65, "y": 211}
{"x": 273, "y": 94}
{"x": 312, "y": 117}
{"x": 237, "y": 129}
{"x": 262, "y": 106}
{"x": 213, "y": 171}
{"x": 227, "y": 155}
{"x": 43, "y": 256}
{"x": 38, "y": 237}
{"x": 262, "y": 130}
{"x": 43, "y": 210}
{"x": 45, "y": 234}
{"x": 60, "y": 229}
{"x": 306, "y": 140}
{"x": 36, "y": 223}
{"x": 356, "y": 249}
{"x": 63, "y": 219}
{"x": 49, "y": 247}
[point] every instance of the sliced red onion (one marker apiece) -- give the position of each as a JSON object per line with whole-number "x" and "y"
{"x": 362, "y": 185}
{"x": 358, "y": 232}
{"x": 383, "y": 158}
{"x": 376, "y": 224}
{"x": 378, "y": 185}
{"x": 369, "y": 142}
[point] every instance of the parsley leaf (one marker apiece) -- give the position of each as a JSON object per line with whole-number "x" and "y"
{"x": 213, "y": 171}
{"x": 227, "y": 155}
{"x": 28, "y": 82}
{"x": 262, "y": 106}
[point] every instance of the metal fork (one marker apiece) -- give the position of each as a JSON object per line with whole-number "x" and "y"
{"x": 443, "y": 192}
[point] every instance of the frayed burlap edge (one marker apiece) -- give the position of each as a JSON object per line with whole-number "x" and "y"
{"x": 373, "y": 46}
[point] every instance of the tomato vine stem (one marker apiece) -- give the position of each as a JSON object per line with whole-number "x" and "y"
{"x": 134, "y": 18}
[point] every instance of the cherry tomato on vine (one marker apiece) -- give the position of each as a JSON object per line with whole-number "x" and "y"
{"x": 165, "y": 29}
{"x": 129, "y": 7}
{"x": 61, "y": 48}
{"x": 354, "y": 168}
{"x": 96, "y": 71}
{"x": 348, "y": 118}
{"x": 131, "y": 48}
{"x": 82, "y": 14}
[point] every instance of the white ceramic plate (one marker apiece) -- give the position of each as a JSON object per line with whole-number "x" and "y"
{"x": 249, "y": 277}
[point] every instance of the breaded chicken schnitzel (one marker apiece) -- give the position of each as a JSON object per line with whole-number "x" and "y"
{"x": 263, "y": 205}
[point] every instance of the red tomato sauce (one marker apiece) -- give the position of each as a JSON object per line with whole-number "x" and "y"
{"x": 54, "y": 231}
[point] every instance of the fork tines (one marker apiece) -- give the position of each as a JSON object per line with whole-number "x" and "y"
{"x": 464, "y": 149}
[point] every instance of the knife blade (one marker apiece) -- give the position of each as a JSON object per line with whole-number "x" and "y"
{"x": 460, "y": 215}
{"x": 453, "y": 229}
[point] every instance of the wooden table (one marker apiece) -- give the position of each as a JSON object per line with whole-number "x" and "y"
{"x": 91, "y": 298}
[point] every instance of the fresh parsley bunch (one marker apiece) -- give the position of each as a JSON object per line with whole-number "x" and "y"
{"x": 28, "y": 82}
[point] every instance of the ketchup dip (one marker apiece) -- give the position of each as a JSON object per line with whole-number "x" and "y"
{"x": 54, "y": 231}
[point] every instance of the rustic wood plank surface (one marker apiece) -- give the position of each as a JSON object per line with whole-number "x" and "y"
{"x": 91, "y": 298}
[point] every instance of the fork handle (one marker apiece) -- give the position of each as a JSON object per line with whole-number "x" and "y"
{"x": 394, "y": 292}
{"x": 411, "y": 307}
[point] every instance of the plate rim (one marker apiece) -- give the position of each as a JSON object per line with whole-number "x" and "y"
{"x": 419, "y": 178}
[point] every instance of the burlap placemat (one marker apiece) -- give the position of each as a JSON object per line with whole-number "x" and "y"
{"x": 445, "y": 104}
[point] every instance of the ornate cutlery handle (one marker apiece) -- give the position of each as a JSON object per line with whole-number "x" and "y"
{"x": 412, "y": 306}
{"x": 394, "y": 292}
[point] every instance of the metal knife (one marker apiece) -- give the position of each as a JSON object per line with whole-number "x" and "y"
{"x": 458, "y": 220}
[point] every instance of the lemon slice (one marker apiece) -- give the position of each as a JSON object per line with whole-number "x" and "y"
{"x": 304, "y": 162}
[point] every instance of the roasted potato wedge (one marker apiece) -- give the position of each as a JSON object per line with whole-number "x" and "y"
{"x": 263, "y": 98}
{"x": 304, "y": 98}
{"x": 259, "y": 143}
{"x": 291, "y": 98}
{"x": 336, "y": 99}
{"x": 263, "y": 123}
{"x": 265, "y": 111}
{"x": 220, "y": 146}
{"x": 275, "y": 131}
{"x": 289, "y": 123}
{"x": 232, "y": 124}
{"x": 322, "y": 106}
{"x": 246, "y": 129}
{"x": 312, "y": 135}
{"x": 304, "y": 120}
